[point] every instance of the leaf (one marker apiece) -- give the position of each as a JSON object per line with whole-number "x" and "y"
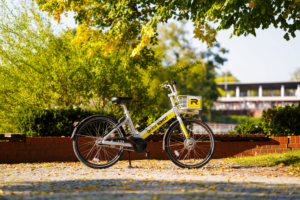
{"x": 212, "y": 187}
{"x": 128, "y": 188}
{"x": 251, "y": 4}
{"x": 286, "y": 36}
{"x": 263, "y": 9}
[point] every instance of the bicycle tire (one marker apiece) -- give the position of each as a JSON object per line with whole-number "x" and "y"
{"x": 99, "y": 156}
{"x": 176, "y": 145}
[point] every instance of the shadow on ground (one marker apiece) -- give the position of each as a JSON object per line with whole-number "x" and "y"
{"x": 147, "y": 189}
{"x": 288, "y": 160}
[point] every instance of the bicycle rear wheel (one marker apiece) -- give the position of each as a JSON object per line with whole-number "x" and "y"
{"x": 190, "y": 153}
{"x": 88, "y": 151}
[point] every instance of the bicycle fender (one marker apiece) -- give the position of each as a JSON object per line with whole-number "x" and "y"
{"x": 93, "y": 116}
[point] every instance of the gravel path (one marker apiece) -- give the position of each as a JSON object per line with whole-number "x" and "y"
{"x": 150, "y": 179}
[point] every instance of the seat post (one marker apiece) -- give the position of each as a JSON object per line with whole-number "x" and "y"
{"x": 132, "y": 129}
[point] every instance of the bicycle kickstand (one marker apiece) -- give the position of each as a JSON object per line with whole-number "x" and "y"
{"x": 130, "y": 166}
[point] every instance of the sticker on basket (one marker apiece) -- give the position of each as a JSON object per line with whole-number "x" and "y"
{"x": 176, "y": 153}
{"x": 194, "y": 103}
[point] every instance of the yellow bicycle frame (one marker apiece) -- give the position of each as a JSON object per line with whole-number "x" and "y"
{"x": 161, "y": 121}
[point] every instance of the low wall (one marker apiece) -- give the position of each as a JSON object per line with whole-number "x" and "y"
{"x": 47, "y": 149}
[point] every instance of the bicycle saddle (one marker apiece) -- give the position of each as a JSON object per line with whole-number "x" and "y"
{"x": 118, "y": 100}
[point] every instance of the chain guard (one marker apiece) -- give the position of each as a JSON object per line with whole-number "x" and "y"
{"x": 138, "y": 144}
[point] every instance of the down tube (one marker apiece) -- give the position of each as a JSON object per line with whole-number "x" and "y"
{"x": 158, "y": 123}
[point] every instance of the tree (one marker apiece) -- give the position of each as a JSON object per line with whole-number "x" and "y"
{"x": 111, "y": 24}
{"x": 222, "y": 79}
{"x": 296, "y": 75}
{"x": 194, "y": 71}
{"x": 40, "y": 68}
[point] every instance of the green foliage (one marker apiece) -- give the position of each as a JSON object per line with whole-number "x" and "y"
{"x": 281, "y": 121}
{"x": 296, "y": 75}
{"x": 218, "y": 118}
{"x": 247, "y": 127}
{"x": 51, "y": 122}
{"x": 125, "y": 19}
{"x": 40, "y": 68}
{"x": 185, "y": 65}
{"x": 277, "y": 121}
{"x": 222, "y": 78}
{"x": 59, "y": 121}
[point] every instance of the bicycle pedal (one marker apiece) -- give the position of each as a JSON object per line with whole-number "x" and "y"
{"x": 147, "y": 153}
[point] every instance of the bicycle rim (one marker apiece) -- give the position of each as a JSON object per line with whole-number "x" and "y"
{"x": 192, "y": 153}
{"x": 89, "y": 152}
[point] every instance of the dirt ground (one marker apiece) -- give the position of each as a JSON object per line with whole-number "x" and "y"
{"x": 150, "y": 179}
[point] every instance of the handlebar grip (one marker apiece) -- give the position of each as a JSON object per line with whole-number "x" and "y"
{"x": 165, "y": 86}
{"x": 173, "y": 82}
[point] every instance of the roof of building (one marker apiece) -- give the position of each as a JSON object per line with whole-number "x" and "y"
{"x": 265, "y": 86}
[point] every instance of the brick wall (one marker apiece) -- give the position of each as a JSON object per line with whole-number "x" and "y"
{"x": 46, "y": 149}
{"x": 275, "y": 145}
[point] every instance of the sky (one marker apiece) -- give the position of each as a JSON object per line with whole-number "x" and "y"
{"x": 268, "y": 57}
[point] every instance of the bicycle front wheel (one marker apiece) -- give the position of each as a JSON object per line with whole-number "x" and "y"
{"x": 194, "y": 152}
{"x": 88, "y": 151}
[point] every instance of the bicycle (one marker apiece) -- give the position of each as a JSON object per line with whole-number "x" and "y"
{"x": 99, "y": 141}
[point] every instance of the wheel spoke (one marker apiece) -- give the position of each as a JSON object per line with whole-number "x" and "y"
{"x": 89, "y": 152}
{"x": 193, "y": 152}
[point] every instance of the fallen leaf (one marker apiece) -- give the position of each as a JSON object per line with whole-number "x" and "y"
{"x": 127, "y": 188}
{"x": 286, "y": 190}
{"x": 212, "y": 187}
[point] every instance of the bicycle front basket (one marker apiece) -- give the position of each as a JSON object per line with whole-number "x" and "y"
{"x": 188, "y": 104}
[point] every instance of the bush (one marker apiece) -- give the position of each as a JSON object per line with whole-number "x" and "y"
{"x": 51, "y": 122}
{"x": 281, "y": 121}
{"x": 219, "y": 118}
{"x": 59, "y": 122}
{"x": 247, "y": 127}
{"x": 278, "y": 121}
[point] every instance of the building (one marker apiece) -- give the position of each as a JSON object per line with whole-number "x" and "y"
{"x": 253, "y": 98}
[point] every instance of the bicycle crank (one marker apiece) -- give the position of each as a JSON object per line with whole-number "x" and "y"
{"x": 138, "y": 144}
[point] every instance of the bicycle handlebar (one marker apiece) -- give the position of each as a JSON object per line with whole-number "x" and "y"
{"x": 174, "y": 91}
{"x": 165, "y": 86}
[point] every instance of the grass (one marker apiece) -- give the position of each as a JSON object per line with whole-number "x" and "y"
{"x": 284, "y": 159}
